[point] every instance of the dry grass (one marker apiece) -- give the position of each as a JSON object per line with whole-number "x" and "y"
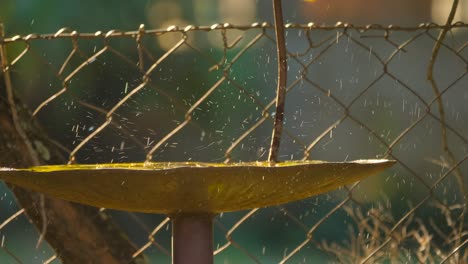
{"x": 375, "y": 237}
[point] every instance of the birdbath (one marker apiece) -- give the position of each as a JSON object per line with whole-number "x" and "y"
{"x": 191, "y": 193}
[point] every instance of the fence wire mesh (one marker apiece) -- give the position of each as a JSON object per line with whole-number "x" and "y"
{"x": 208, "y": 93}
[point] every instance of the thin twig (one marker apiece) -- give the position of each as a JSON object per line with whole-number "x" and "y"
{"x": 11, "y": 102}
{"x": 430, "y": 77}
{"x": 455, "y": 250}
{"x": 435, "y": 89}
{"x": 281, "y": 87}
{"x": 33, "y": 156}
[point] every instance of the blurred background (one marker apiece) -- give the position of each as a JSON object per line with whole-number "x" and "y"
{"x": 330, "y": 74}
{"x": 28, "y": 16}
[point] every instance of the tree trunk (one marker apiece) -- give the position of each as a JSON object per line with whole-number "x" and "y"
{"x": 77, "y": 233}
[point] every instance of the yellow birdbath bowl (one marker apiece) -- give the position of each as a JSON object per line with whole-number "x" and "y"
{"x": 191, "y": 192}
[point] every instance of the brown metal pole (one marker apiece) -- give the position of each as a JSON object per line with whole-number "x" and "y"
{"x": 192, "y": 239}
{"x": 282, "y": 81}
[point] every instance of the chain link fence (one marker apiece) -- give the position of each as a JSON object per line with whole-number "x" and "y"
{"x": 208, "y": 93}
